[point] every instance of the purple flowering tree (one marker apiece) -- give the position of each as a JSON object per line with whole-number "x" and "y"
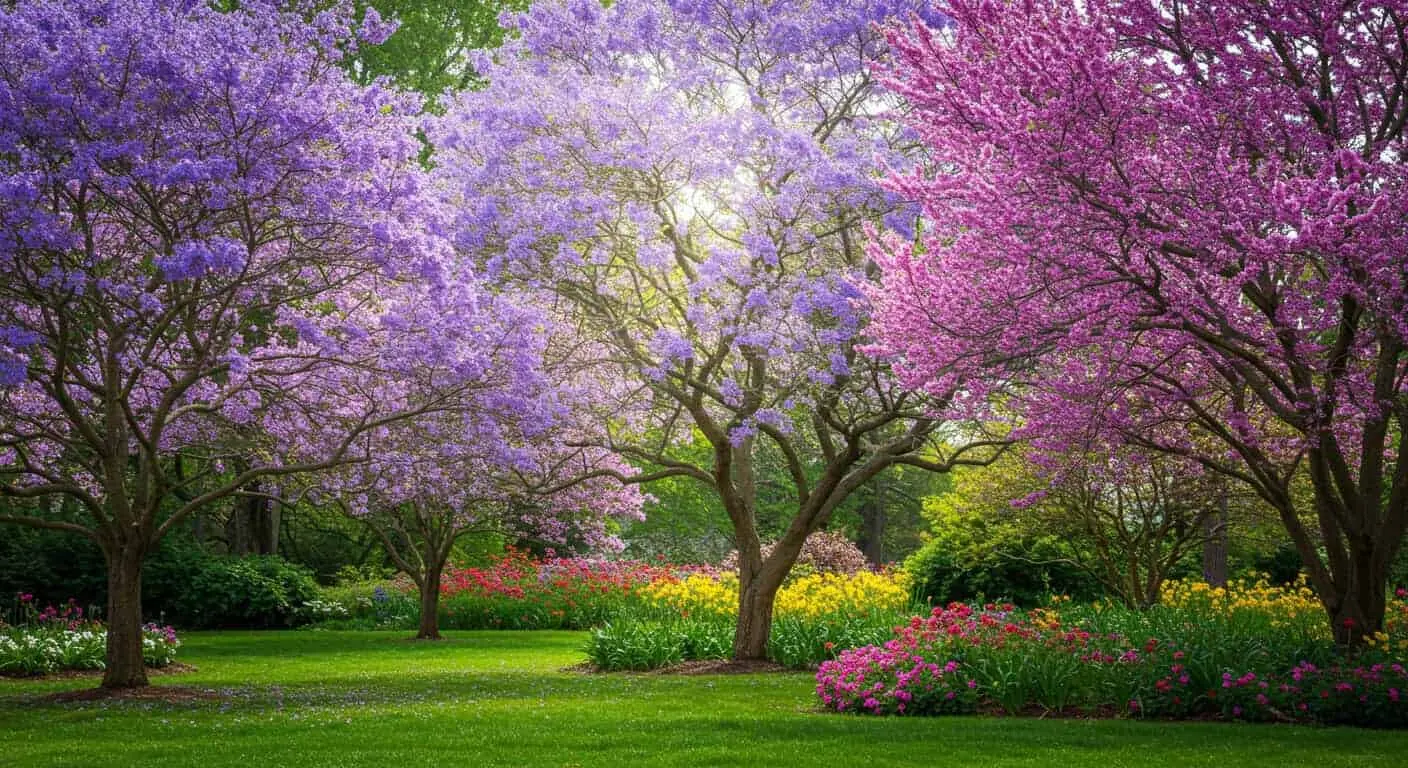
{"x": 1180, "y": 226}
{"x": 472, "y": 470}
{"x": 686, "y": 182}
{"x": 217, "y": 265}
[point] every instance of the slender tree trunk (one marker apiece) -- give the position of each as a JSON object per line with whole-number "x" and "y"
{"x": 1215, "y": 541}
{"x": 239, "y": 529}
{"x": 430, "y": 606}
{"x": 873, "y": 521}
{"x": 125, "y": 665}
{"x": 264, "y": 521}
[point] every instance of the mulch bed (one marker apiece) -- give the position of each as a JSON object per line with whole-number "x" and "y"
{"x": 722, "y": 667}
{"x": 701, "y": 667}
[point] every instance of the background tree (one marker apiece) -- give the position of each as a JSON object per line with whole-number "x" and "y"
{"x": 981, "y": 544}
{"x": 1136, "y": 519}
{"x": 435, "y": 480}
{"x": 1179, "y": 224}
{"x": 687, "y": 182}
{"x": 429, "y": 52}
{"x": 214, "y": 248}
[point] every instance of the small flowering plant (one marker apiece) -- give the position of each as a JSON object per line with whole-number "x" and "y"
{"x": 61, "y": 638}
{"x": 889, "y": 680}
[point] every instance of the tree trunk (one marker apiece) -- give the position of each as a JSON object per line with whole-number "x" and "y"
{"x": 1215, "y": 545}
{"x": 253, "y": 526}
{"x": 126, "y": 667}
{"x": 1358, "y": 610}
{"x": 757, "y": 592}
{"x": 265, "y": 523}
{"x": 872, "y": 516}
{"x": 430, "y": 607}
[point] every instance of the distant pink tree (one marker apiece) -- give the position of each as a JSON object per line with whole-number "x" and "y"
{"x": 1178, "y": 225}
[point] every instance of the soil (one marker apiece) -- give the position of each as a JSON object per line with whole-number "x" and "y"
{"x": 702, "y": 667}
{"x": 722, "y": 667}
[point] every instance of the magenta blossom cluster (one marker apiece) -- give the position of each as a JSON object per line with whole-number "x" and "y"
{"x": 878, "y": 681}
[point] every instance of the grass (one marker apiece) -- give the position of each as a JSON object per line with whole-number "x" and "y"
{"x": 500, "y": 698}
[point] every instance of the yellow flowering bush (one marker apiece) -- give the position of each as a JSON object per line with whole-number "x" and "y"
{"x": 692, "y": 617}
{"x": 809, "y": 597}
{"x": 699, "y": 595}
{"x": 1292, "y": 607}
{"x": 823, "y": 594}
{"x": 1393, "y": 639}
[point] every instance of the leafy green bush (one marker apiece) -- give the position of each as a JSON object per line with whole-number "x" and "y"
{"x": 637, "y": 645}
{"x": 249, "y": 592}
{"x": 942, "y": 575}
{"x": 375, "y": 604}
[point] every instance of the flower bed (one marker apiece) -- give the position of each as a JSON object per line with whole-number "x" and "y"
{"x": 519, "y": 592}
{"x": 692, "y": 618}
{"x": 514, "y": 591}
{"x": 645, "y": 615}
{"x": 1250, "y": 652}
{"x": 59, "y": 639}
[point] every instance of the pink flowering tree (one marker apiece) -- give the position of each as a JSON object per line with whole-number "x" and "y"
{"x": 686, "y": 183}
{"x": 219, "y": 266}
{"x": 1180, "y": 226}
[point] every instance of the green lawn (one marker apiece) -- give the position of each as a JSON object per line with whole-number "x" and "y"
{"x": 499, "y": 698}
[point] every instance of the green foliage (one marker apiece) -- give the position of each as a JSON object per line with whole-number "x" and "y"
{"x": 259, "y": 591}
{"x": 640, "y": 645}
{"x": 53, "y": 566}
{"x": 646, "y": 639}
{"x": 56, "y": 566}
{"x": 326, "y": 541}
{"x": 1024, "y": 570}
{"x": 368, "y": 604}
{"x": 684, "y": 522}
{"x": 429, "y": 52}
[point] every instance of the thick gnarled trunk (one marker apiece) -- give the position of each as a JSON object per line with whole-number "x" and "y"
{"x": 756, "y": 594}
{"x": 126, "y": 667}
{"x": 759, "y": 580}
{"x": 1356, "y": 608}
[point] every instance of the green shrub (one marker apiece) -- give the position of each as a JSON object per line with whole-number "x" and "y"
{"x": 637, "y": 645}
{"x": 940, "y": 576}
{"x": 261, "y": 591}
{"x": 375, "y": 604}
